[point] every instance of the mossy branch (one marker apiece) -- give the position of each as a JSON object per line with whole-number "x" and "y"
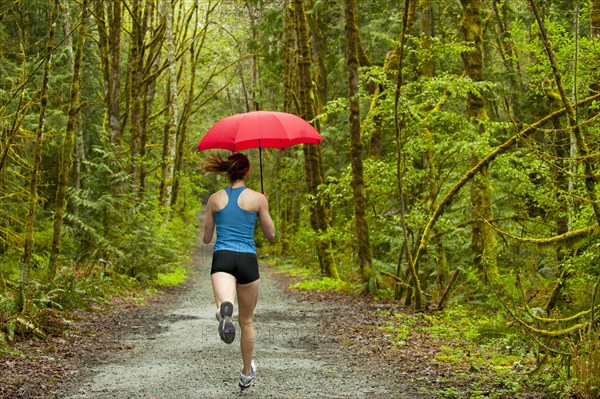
{"x": 562, "y": 320}
{"x": 569, "y": 236}
{"x": 393, "y": 276}
{"x": 554, "y": 320}
{"x": 539, "y": 331}
{"x": 549, "y": 333}
{"x": 549, "y": 349}
{"x": 524, "y": 133}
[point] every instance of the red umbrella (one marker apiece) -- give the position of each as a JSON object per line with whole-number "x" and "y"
{"x": 259, "y": 129}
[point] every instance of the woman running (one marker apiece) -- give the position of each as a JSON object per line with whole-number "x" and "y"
{"x": 234, "y": 210}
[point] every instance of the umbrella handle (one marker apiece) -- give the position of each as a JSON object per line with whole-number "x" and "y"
{"x": 262, "y": 190}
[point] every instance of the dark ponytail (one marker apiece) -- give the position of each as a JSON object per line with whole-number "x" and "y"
{"x": 236, "y": 166}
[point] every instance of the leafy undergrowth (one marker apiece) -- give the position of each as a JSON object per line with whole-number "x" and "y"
{"x": 36, "y": 367}
{"x": 40, "y": 347}
{"x": 456, "y": 353}
{"x": 173, "y": 278}
{"x": 322, "y": 284}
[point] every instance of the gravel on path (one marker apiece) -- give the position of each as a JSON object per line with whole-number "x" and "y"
{"x": 176, "y": 353}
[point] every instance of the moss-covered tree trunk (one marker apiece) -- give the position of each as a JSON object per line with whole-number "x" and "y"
{"x": 595, "y": 19}
{"x": 318, "y": 46}
{"x": 148, "y": 89}
{"x": 506, "y": 47}
{"x": 426, "y": 191}
{"x": 379, "y": 94}
{"x": 289, "y": 66}
{"x": 415, "y": 288}
{"x": 313, "y": 163}
{"x": 66, "y": 161}
{"x": 108, "y": 20}
{"x": 136, "y": 65}
{"x": 170, "y": 130}
{"x": 193, "y": 21}
{"x": 365, "y": 256}
{"x": 563, "y": 218}
{"x": 587, "y": 162}
{"x": 285, "y": 207}
{"x": 483, "y": 240}
{"x": 32, "y": 200}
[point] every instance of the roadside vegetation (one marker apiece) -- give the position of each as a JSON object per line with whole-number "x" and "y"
{"x": 458, "y": 179}
{"x": 478, "y": 350}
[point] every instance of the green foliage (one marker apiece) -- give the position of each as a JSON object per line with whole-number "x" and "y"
{"x": 471, "y": 340}
{"x": 399, "y": 327}
{"x": 115, "y": 235}
{"x": 322, "y": 284}
{"x": 586, "y": 364}
{"x": 288, "y": 267}
{"x": 49, "y": 303}
{"x": 171, "y": 279}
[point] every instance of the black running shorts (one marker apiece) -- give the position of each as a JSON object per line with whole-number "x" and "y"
{"x": 241, "y": 265}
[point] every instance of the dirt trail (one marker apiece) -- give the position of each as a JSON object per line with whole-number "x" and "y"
{"x": 176, "y": 353}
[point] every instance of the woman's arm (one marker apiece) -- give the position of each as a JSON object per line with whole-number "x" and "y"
{"x": 209, "y": 222}
{"x": 266, "y": 223}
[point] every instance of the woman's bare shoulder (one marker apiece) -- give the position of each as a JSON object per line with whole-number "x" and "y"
{"x": 255, "y": 195}
{"x": 218, "y": 200}
{"x": 250, "y": 200}
{"x": 248, "y": 190}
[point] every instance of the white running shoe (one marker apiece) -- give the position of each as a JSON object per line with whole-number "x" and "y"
{"x": 246, "y": 380}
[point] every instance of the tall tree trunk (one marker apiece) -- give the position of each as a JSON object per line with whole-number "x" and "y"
{"x": 114, "y": 111}
{"x": 581, "y": 146}
{"x": 580, "y": 140}
{"x": 398, "y": 125}
{"x": 365, "y": 255}
{"x": 69, "y": 143}
{"x": 290, "y": 85}
{"x": 313, "y": 163}
{"x": 169, "y": 145}
{"x": 136, "y": 90}
{"x": 78, "y": 155}
{"x": 483, "y": 240}
{"x": 428, "y": 71}
{"x": 318, "y": 50}
{"x": 252, "y": 16}
{"x": 595, "y": 19}
{"x": 595, "y": 35}
{"x": 109, "y": 41}
{"x": 150, "y": 74}
{"x": 562, "y": 152}
{"x": 289, "y": 66}
{"x": 506, "y": 47}
{"x": 194, "y": 59}
{"x": 36, "y": 167}
{"x": 427, "y": 35}
{"x": 379, "y": 93}
{"x": 426, "y": 190}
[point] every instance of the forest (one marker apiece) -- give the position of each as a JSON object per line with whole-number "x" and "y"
{"x": 458, "y": 176}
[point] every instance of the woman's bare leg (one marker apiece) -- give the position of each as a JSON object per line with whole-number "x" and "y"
{"x": 223, "y": 288}
{"x": 247, "y": 295}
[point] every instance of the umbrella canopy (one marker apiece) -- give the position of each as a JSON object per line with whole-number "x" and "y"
{"x": 259, "y": 129}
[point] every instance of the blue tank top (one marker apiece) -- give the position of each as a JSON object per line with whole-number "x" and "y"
{"x": 235, "y": 226}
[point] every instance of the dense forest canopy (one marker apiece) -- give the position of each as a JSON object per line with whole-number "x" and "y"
{"x": 460, "y": 164}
